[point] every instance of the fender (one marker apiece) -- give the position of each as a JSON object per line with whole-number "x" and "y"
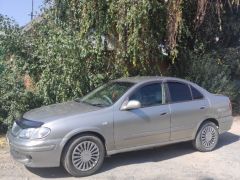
{"x": 74, "y": 132}
{"x": 200, "y": 123}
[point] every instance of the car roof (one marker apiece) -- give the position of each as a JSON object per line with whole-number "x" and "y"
{"x": 142, "y": 79}
{"x": 145, "y": 79}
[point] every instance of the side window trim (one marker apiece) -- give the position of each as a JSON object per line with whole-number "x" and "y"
{"x": 167, "y": 92}
{"x": 189, "y": 86}
{"x": 164, "y": 98}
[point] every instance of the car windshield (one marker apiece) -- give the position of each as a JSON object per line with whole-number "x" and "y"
{"x": 107, "y": 94}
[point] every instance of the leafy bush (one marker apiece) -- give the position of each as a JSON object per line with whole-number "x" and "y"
{"x": 14, "y": 98}
{"x": 212, "y": 72}
{"x": 77, "y": 45}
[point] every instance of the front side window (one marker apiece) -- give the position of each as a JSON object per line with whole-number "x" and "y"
{"x": 149, "y": 95}
{"x": 179, "y": 92}
{"x": 107, "y": 94}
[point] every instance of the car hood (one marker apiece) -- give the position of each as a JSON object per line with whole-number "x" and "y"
{"x": 58, "y": 111}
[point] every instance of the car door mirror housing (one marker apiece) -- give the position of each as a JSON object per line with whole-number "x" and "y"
{"x": 133, "y": 104}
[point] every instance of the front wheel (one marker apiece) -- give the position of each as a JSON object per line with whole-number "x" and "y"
{"x": 207, "y": 137}
{"x": 83, "y": 156}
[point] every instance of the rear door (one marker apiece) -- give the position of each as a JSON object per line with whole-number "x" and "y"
{"x": 188, "y": 108}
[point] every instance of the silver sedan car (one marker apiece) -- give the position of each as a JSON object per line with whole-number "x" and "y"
{"x": 123, "y": 115}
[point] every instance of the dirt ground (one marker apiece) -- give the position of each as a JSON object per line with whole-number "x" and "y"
{"x": 178, "y": 161}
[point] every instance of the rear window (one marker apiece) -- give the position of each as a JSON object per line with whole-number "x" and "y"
{"x": 179, "y": 92}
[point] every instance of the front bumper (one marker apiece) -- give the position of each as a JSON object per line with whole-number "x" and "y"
{"x": 35, "y": 153}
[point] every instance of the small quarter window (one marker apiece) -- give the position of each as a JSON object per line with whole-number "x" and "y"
{"x": 195, "y": 93}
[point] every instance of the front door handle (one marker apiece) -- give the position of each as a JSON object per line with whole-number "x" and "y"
{"x": 203, "y": 107}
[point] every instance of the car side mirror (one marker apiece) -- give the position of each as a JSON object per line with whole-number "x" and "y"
{"x": 133, "y": 104}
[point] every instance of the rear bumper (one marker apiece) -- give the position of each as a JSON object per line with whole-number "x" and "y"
{"x": 35, "y": 153}
{"x": 225, "y": 124}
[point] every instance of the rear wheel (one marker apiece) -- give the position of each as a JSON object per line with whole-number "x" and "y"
{"x": 83, "y": 156}
{"x": 207, "y": 137}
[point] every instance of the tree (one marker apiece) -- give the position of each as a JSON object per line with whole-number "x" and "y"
{"x": 77, "y": 45}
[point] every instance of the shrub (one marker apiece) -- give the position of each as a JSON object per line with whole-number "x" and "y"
{"x": 211, "y": 72}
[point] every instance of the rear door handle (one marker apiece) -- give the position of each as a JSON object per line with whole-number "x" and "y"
{"x": 164, "y": 113}
{"x": 203, "y": 107}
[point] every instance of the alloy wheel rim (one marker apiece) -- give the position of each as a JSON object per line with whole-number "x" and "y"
{"x": 209, "y": 137}
{"x": 85, "y": 155}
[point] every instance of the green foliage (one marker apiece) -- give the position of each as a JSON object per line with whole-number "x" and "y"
{"x": 75, "y": 46}
{"x": 231, "y": 58}
{"x": 208, "y": 71}
{"x": 14, "y": 99}
{"x": 216, "y": 71}
{"x": 81, "y": 45}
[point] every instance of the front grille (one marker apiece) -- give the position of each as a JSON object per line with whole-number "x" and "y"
{"x": 16, "y": 129}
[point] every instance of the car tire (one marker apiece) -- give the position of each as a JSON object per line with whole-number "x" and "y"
{"x": 207, "y": 137}
{"x": 83, "y": 156}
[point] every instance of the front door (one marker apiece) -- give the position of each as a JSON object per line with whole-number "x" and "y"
{"x": 147, "y": 125}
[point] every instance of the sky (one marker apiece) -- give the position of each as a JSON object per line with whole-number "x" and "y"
{"x": 20, "y": 10}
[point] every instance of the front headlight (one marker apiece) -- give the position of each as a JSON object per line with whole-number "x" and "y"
{"x": 34, "y": 133}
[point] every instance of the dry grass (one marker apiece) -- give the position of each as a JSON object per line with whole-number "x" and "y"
{"x": 3, "y": 142}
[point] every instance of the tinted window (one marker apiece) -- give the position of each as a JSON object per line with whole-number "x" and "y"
{"x": 179, "y": 92}
{"x": 148, "y": 95}
{"x": 196, "y": 94}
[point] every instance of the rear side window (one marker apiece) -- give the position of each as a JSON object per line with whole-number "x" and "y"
{"x": 179, "y": 92}
{"x": 195, "y": 93}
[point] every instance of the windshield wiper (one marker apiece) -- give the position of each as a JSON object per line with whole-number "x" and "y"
{"x": 98, "y": 105}
{"x": 80, "y": 101}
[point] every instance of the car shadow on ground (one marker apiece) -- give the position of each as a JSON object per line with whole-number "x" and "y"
{"x": 137, "y": 157}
